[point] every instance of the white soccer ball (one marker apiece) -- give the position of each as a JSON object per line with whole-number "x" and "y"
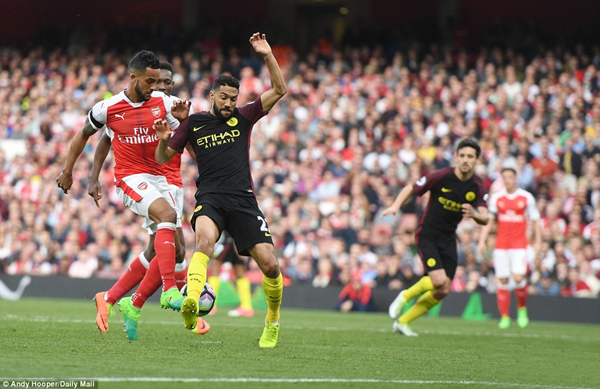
{"x": 207, "y": 299}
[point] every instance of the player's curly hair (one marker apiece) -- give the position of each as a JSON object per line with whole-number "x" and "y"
{"x": 225, "y": 80}
{"x": 469, "y": 142}
{"x": 142, "y": 60}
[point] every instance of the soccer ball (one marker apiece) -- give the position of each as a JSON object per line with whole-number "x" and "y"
{"x": 207, "y": 299}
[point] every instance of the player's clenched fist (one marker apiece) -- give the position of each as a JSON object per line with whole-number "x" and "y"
{"x": 64, "y": 181}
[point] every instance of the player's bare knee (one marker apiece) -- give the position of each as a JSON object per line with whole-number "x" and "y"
{"x": 442, "y": 287}
{"x": 269, "y": 266}
{"x": 441, "y": 293}
{"x": 438, "y": 283}
{"x": 169, "y": 215}
{"x": 518, "y": 278}
{"x": 164, "y": 215}
{"x": 204, "y": 245}
{"x": 271, "y": 270}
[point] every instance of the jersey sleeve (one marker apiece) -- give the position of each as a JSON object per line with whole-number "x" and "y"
{"x": 493, "y": 204}
{"x": 533, "y": 212}
{"x": 253, "y": 111}
{"x": 482, "y": 194}
{"x": 173, "y": 123}
{"x": 180, "y": 137}
{"x": 98, "y": 115}
{"x": 428, "y": 181}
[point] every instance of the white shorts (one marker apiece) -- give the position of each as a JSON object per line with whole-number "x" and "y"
{"x": 138, "y": 191}
{"x": 511, "y": 261}
{"x": 177, "y": 195}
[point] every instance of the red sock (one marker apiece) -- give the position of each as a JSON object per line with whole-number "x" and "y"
{"x": 521, "y": 296}
{"x": 128, "y": 280}
{"x": 149, "y": 285}
{"x": 164, "y": 244}
{"x": 503, "y": 297}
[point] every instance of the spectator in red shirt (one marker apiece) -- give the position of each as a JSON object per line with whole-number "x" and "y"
{"x": 355, "y": 296}
{"x": 543, "y": 166}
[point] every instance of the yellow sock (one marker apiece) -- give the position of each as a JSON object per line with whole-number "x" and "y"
{"x": 196, "y": 275}
{"x": 422, "y": 286}
{"x": 421, "y": 307}
{"x": 215, "y": 282}
{"x": 273, "y": 288}
{"x": 243, "y": 289}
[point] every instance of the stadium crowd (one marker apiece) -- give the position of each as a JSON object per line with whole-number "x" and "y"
{"x": 355, "y": 127}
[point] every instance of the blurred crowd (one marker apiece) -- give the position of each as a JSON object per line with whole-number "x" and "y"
{"x": 356, "y": 126}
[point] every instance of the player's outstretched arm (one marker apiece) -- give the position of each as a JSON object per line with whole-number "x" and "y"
{"x": 278, "y": 87}
{"x": 94, "y": 187}
{"x": 163, "y": 152}
{"x": 404, "y": 195}
{"x": 65, "y": 178}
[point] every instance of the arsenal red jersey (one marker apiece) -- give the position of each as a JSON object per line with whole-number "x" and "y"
{"x": 512, "y": 211}
{"x": 129, "y": 126}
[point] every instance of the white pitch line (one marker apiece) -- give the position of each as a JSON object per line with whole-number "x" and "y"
{"x": 301, "y": 380}
{"x": 47, "y": 319}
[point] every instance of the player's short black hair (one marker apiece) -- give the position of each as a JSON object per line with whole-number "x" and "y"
{"x": 225, "y": 80}
{"x": 166, "y": 66}
{"x": 142, "y": 60}
{"x": 469, "y": 142}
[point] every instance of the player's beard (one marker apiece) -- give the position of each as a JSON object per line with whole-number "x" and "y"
{"x": 218, "y": 113}
{"x": 140, "y": 93}
{"x": 467, "y": 169}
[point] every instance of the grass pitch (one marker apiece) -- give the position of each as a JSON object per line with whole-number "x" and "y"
{"x": 58, "y": 339}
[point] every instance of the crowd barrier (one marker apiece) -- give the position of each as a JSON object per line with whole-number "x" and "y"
{"x": 469, "y": 306}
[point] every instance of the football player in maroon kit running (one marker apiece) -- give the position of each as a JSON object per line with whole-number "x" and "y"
{"x": 454, "y": 193}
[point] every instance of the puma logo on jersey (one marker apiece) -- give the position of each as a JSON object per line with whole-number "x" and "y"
{"x": 199, "y": 128}
{"x": 446, "y": 190}
{"x": 120, "y": 116}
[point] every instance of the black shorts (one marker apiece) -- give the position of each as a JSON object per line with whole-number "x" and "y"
{"x": 438, "y": 253}
{"x": 238, "y": 214}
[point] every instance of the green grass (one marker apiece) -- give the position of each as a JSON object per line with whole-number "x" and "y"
{"x": 59, "y": 339}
